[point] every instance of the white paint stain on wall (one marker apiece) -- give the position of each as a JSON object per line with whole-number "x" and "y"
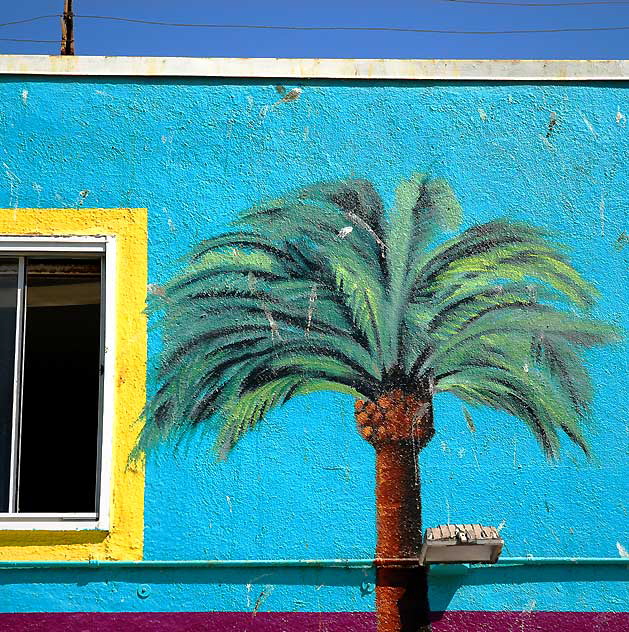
{"x": 38, "y": 189}
{"x": 622, "y": 551}
{"x": 14, "y": 186}
{"x": 546, "y": 142}
{"x": 621, "y": 119}
{"x": 589, "y": 126}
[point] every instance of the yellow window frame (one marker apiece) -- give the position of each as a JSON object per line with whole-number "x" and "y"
{"x": 123, "y": 540}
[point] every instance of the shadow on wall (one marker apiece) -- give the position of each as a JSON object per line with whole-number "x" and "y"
{"x": 176, "y": 576}
{"x": 444, "y": 587}
{"x": 45, "y": 538}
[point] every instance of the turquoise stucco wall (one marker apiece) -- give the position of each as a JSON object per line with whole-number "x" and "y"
{"x": 195, "y": 152}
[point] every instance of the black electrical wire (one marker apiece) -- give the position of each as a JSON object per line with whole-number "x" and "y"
{"x": 11, "y": 39}
{"x": 37, "y": 17}
{"x": 357, "y": 28}
{"x": 347, "y": 28}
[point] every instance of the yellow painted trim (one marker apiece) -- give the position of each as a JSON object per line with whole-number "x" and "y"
{"x": 124, "y": 539}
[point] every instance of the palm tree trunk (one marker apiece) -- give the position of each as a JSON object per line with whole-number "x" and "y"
{"x": 398, "y": 425}
{"x": 401, "y": 593}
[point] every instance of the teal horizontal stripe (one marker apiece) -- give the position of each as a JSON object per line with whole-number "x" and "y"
{"x": 322, "y": 563}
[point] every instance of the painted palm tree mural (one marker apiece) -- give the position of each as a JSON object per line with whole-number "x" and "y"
{"x": 322, "y": 290}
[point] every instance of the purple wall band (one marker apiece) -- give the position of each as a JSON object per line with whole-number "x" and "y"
{"x": 306, "y": 621}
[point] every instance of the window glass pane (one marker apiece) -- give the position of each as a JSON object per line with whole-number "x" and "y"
{"x": 61, "y": 379}
{"x": 8, "y": 303}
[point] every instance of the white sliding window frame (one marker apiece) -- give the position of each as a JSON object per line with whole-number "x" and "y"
{"x": 105, "y": 247}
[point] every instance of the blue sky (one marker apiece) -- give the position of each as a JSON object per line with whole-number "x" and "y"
{"x": 100, "y": 37}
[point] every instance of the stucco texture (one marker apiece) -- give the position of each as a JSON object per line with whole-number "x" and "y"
{"x": 195, "y": 153}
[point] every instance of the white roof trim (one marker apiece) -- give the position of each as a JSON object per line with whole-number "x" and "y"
{"x": 387, "y": 69}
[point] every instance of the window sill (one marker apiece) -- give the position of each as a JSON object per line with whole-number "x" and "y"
{"x": 52, "y": 522}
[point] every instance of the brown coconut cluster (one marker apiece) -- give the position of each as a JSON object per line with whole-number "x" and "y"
{"x": 396, "y": 416}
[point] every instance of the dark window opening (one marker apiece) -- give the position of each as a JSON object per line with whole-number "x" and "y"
{"x": 55, "y": 452}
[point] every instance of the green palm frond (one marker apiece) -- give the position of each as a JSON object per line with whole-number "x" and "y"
{"x": 252, "y": 405}
{"x": 533, "y": 401}
{"x": 322, "y": 290}
{"x": 423, "y": 208}
{"x": 337, "y": 229}
{"x": 524, "y": 360}
{"x": 287, "y": 307}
